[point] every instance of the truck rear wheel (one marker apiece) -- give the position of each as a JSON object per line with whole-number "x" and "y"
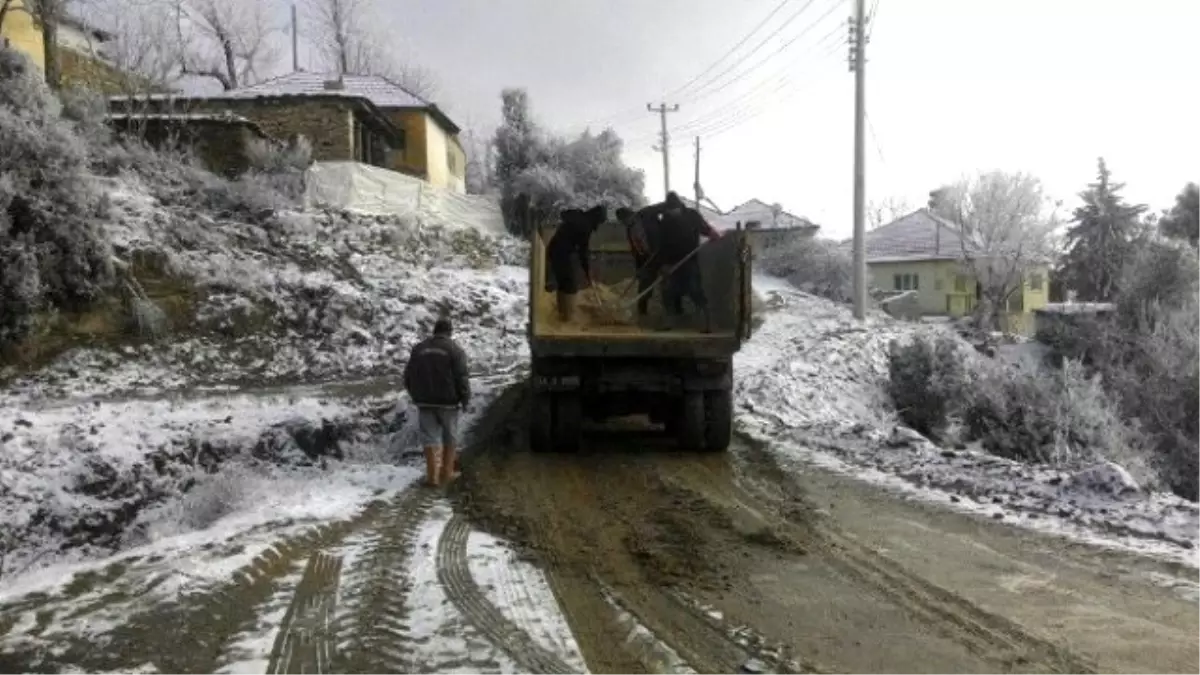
{"x": 568, "y": 422}
{"x": 718, "y": 413}
{"x": 691, "y": 421}
{"x": 541, "y": 423}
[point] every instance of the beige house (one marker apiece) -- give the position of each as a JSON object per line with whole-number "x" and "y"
{"x": 362, "y": 118}
{"x": 923, "y": 253}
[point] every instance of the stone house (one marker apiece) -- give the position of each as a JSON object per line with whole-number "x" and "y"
{"x": 362, "y": 118}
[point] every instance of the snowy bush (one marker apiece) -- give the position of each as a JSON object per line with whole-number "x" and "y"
{"x": 1063, "y": 418}
{"x": 816, "y": 266}
{"x": 54, "y": 251}
{"x": 926, "y": 379}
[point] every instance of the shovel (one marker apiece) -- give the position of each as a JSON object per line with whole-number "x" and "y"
{"x": 669, "y": 272}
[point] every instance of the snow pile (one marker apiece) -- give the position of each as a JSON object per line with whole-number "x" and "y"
{"x": 91, "y": 478}
{"x": 812, "y": 384}
{"x": 298, "y": 296}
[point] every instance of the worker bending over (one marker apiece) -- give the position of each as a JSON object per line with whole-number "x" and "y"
{"x": 641, "y": 229}
{"x": 572, "y": 240}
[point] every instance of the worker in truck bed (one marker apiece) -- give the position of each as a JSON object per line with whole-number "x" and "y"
{"x": 641, "y": 229}
{"x": 572, "y": 239}
{"x": 679, "y": 236}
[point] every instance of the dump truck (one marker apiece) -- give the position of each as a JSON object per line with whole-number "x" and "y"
{"x": 611, "y": 363}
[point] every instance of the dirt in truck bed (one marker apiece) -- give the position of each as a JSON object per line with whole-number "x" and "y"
{"x": 725, "y": 561}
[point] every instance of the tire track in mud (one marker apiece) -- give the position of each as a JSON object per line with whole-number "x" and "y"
{"x": 609, "y": 530}
{"x": 981, "y": 632}
{"x": 372, "y": 631}
{"x": 194, "y": 632}
{"x": 455, "y": 577}
{"x": 306, "y": 639}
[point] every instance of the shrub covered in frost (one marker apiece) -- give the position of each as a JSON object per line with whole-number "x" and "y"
{"x": 816, "y": 266}
{"x": 54, "y": 252}
{"x": 926, "y": 380}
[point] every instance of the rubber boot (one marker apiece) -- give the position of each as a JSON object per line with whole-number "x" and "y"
{"x": 433, "y": 466}
{"x": 566, "y": 307}
{"x": 449, "y": 464}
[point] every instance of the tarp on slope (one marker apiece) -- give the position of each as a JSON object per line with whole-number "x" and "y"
{"x": 370, "y": 189}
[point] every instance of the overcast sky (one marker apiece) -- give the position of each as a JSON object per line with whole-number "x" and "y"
{"x": 953, "y": 86}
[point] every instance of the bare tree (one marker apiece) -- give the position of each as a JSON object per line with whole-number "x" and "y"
{"x": 346, "y": 35}
{"x": 1007, "y": 225}
{"x": 887, "y": 210}
{"x": 146, "y": 46}
{"x": 225, "y": 40}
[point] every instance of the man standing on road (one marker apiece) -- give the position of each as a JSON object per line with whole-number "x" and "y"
{"x": 679, "y": 237}
{"x": 437, "y": 383}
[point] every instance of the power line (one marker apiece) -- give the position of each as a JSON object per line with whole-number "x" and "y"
{"x": 732, "y": 49}
{"x": 787, "y": 22}
{"x": 786, "y": 72}
{"x": 630, "y": 111}
{"x": 749, "y": 107}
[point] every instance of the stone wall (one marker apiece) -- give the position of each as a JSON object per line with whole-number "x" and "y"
{"x": 80, "y": 71}
{"x": 326, "y": 124}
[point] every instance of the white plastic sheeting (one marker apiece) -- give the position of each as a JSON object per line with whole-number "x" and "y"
{"x": 370, "y": 189}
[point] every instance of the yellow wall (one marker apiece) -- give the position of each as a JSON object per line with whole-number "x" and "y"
{"x": 442, "y": 149}
{"x": 428, "y": 150}
{"x": 23, "y": 35}
{"x": 938, "y": 293}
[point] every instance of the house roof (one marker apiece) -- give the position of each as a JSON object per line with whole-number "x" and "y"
{"x": 920, "y": 235}
{"x": 756, "y": 209}
{"x": 380, "y": 91}
{"x": 375, "y": 116}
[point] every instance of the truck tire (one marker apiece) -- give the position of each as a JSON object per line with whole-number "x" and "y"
{"x": 568, "y": 422}
{"x": 541, "y": 423}
{"x": 718, "y": 414}
{"x": 691, "y": 421}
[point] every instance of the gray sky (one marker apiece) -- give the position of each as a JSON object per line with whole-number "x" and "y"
{"x": 953, "y": 86}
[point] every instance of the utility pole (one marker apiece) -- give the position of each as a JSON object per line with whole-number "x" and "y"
{"x": 665, "y": 142}
{"x": 295, "y": 41}
{"x": 858, "y": 48}
{"x": 696, "y": 185}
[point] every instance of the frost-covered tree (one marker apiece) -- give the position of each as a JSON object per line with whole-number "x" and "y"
{"x": 885, "y": 211}
{"x": 1183, "y": 220}
{"x": 53, "y": 253}
{"x": 352, "y": 38}
{"x": 1006, "y": 223}
{"x": 557, "y": 173}
{"x": 229, "y": 41}
{"x": 1102, "y": 239}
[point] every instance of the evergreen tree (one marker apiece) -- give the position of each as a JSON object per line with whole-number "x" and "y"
{"x": 1101, "y": 240}
{"x": 1183, "y": 220}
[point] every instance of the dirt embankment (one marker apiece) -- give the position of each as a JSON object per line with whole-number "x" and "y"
{"x": 724, "y": 560}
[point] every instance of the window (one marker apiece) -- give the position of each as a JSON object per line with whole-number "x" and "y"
{"x": 960, "y": 283}
{"x": 906, "y": 282}
{"x": 1036, "y": 281}
{"x": 452, "y": 162}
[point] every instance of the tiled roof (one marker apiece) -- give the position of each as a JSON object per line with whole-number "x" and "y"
{"x": 920, "y": 235}
{"x": 756, "y": 209}
{"x": 376, "y": 89}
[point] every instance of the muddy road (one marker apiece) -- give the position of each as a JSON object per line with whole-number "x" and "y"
{"x": 645, "y": 560}
{"x": 732, "y": 558}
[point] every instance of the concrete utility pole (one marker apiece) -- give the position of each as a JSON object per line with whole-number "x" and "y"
{"x": 295, "y": 41}
{"x": 665, "y": 142}
{"x": 696, "y": 184}
{"x": 858, "y": 60}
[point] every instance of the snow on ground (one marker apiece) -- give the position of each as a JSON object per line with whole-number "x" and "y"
{"x": 811, "y": 385}
{"x": 439, "y": 635}
{"x": 299, "y": 296}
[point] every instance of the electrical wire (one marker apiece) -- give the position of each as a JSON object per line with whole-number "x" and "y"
{"x": 628, "y": 111}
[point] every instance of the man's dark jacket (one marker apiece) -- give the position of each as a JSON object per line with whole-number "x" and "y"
{"x": 436, "y": 373}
